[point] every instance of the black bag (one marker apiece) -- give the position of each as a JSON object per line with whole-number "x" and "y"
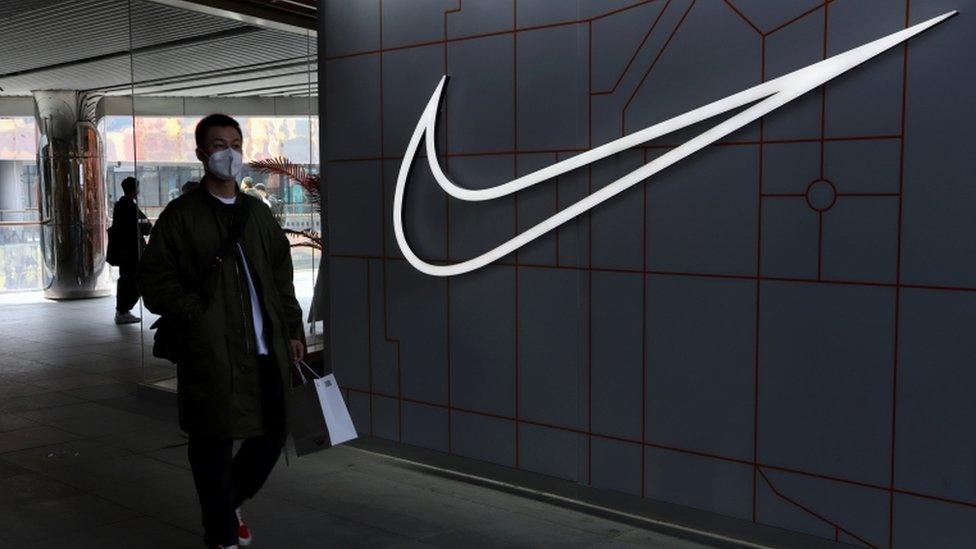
{"x": 112, "y": 250}
{"x": 166, "y": 340}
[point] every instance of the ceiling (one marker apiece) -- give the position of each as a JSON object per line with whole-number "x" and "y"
{"x": 155, "y": 48}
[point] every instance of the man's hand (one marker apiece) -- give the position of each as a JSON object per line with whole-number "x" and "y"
{"x": 297, "y": 350}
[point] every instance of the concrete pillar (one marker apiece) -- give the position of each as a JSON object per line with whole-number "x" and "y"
{"x": 72, "y": 196}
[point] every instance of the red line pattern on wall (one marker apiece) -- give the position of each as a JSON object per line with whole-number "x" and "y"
{"x": 837, "y": 528}
{"x": 759, "y": 467}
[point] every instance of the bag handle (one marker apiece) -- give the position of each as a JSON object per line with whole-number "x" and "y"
{"x": 298, "y": 366}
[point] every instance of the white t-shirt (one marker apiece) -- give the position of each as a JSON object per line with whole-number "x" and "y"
{"x": 259, "y": 340}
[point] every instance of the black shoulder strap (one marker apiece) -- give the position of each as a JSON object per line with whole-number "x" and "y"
{"x": 242, "y": 211}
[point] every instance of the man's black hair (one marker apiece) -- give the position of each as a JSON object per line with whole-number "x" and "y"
{"x": 129, "y": 184}
{"x": 214, "y": 121}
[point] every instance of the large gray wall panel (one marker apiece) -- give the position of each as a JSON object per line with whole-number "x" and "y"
{"x": 777, "y": 329}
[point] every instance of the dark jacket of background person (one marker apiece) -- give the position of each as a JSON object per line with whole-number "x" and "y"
{"x": 219, "y": 383}
{"x": 126, "y": 236}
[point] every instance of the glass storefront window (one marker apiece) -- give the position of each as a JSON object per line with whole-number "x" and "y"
{"x": 166, "y": 160}
{"x": 176, "y": 65}
{"x": 169, "y": 139}
{"x": 165, "y": 147}
{"x": 17, "y": 140}
{"x": 159, "y": 151}
{"x": 20, "y": 251}
{"x": 20, "y": 258}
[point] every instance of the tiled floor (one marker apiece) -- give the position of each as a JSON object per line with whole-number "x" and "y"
{"x": 84, "y": 462}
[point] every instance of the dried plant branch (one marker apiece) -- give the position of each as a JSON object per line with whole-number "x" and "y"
{"x": 314, "y": 239}
{"x": 310, "y": 185}
{"x": 284, "y": 167}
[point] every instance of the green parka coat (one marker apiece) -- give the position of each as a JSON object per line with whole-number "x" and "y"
{"x": 219, "y": 382}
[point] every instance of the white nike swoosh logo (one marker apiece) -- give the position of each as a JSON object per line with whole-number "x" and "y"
{"x": 774, "y": 94}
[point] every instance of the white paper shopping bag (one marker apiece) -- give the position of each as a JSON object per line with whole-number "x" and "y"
{"x": 317, "y": 415}
{"x": 334, "y": 410}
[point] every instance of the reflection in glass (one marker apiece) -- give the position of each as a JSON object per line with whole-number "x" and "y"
{"x": 20, "y": 258}
{"x": 17, "y": 141}
{"x": 72, "y": 194}
{"x": 259, "y": 71}
{"x": 167, "y": 159}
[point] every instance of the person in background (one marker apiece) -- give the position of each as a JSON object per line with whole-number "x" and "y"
{"x": 249, "y": 188}
{"x": 218, "y": 270}
{"x": 261, "y": 192}
{"x": 276, "y": 204}
{"x": 189, "y": 186}
{"x": 126, "y": 242}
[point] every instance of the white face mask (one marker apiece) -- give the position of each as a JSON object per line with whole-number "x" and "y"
{"x": 226, "y": 164}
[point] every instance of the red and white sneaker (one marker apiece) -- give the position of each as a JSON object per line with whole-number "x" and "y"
{"x": 243, "y": 532}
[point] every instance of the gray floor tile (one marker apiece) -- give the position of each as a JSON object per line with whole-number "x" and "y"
{"x": 127, "y": 349}
{"x": 159, "y": 371}
{"x": 36, "y": 402}
{"x": 146, "y": 440}
{"x": 10, "y": 470}
{"x": 297, "y": 472}
{"x": 449, "y": 513}
{"x": 155, "y": 494}
{"x": 644, "y": 538}
{"x": 10, "y": 422}
{"x": 142, "y": 532}
{"x": 57, "y": 518}
{"x": 32, "y": 437}
{"x": 26, "y": 346}
{"x": 133, "y": 373}
{"x": 469, "y": 540}
{"x": 91, "y": 419}
{"x": 338, "y": 458}
{"x": 540, "y": 533}
{"x": 48, "y": 358}
{"x": 74, "y": 381}
{"x": 9, "y": 389}
{"x": 103, "y": 391}
{"x": 165, "y": 412}
{"x": 41, "y": 372}
{"x": 100, "y": 364}
{"x": 175, "y": 456}
{"x": 92, "y": 464}
{"x": 407, "y": 526}
{"x": 282, "y": 524}
{"x": 412, "y": 544}
{"x": 182, "y": 515}
{"x": 528, "y": 507}
{"x": 365, "y": 503}
{"x": 28, "y": 488}
{"x": 98, "y": 475}
{"x": 79, "y": 409}
{"x": 65, "y": 454}
{"x": 23, "y": 366}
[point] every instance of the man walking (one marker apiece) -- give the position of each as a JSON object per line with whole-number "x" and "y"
{"x": 218, "y": 270}
{"x": 126, "y": 242}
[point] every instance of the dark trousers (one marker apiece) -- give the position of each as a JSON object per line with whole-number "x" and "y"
{"x": 224, "y": 480}
{"x": 126, "y": 291}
